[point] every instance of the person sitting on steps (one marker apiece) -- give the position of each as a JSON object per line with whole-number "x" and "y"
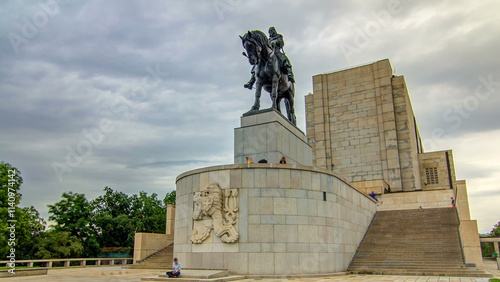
{"x": 176, "y": 269}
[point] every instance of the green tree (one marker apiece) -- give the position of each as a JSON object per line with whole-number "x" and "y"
{"x": 495, "y": 232}
{"x": 10, "y": 183}
{"x": 148, "y": 213}
{"x": 29, "y": 226}
{"x": 113, "y": 219}
{"x": 27, "y": 219}
{"x": 486, "y": 250}
{"x": 169, "y": 199}
{"x": 73, "y": 214}
{"x": 58, "y": 244}
{"x": 486, "y": 247}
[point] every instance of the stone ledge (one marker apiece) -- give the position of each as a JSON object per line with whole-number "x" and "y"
{"x": 271, "y": 165}
{"x": 193, "y": 276}
{"x": 287, "y": 123}
{"x": 24, "y": 272}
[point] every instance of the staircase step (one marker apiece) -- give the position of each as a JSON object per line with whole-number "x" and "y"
{"x": 413, "y": 242}
{"x": 161, "y": 260}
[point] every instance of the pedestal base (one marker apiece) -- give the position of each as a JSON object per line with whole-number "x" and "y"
{"x": 269, "y": 135}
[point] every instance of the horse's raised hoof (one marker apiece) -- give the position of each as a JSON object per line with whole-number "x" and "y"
{"x": 248, "y": 86}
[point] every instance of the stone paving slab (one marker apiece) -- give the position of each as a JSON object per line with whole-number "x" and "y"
{"x": 117, "y": 274}
{"x": 202, "y": 274}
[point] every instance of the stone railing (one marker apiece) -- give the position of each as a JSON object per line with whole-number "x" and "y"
{"x": 67, "y": 262}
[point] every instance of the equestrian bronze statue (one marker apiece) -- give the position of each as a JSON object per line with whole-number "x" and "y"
{"x": 271, "y": 70}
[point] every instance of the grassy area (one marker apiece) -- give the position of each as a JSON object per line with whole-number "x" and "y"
{"x": 494, "y": 280}
{"x": 18, "y": 267}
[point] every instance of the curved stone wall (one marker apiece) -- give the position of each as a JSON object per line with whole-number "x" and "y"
{"x": 291, "y": 219}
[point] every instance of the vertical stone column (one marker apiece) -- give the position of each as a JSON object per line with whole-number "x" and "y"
{"x": 496, "y": 248}
{"x": 170, "y": 226}
{"x": 471, "y": 245}
{"x": 496, "y": 244}
{"x": 389, "y": 147}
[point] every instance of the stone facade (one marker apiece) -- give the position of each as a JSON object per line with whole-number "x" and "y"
{"x": 292, "y": 219}
{"x": 360, "y": 123}
{"x": 351, "y": 124}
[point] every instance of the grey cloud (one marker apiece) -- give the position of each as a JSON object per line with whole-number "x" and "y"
{"x": 92, "y": 54}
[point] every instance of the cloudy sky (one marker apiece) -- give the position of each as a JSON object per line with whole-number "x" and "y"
{"x": 129, "y": 94}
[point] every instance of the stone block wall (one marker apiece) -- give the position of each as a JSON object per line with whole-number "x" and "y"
{"x": 351, "y": 124}
{"x": 413, "y": 200}
{"x": 445, "y": 168}
{"x": 377, "y": 186}
{"x": 292, "y": 219}
{"x": 146, "y": 244}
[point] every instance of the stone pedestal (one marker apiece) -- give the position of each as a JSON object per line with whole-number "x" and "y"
{"x": 269, "y": 218}
{"x": 269, "y": 135}
{"x": 291, "y": 219}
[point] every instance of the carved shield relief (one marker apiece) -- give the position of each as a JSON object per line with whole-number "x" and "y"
{"x": 215, "y": 209}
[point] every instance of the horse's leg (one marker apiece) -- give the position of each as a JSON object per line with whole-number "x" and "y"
{"x": 290, "y": 106}
{"x": 278, "y": 103}
{"x": 274, "y": 91}
{"x": 258, "y": 92}
{"x": 287, "y": 106}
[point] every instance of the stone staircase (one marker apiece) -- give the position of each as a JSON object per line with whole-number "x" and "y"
{"x": 162, "y": 259}
{"x": 413, "y": 242}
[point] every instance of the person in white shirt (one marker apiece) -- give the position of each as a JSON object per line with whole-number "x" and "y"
{"x": 176, "y": 269}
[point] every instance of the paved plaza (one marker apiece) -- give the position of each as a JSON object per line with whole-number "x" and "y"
{"x": 117, "y": 274}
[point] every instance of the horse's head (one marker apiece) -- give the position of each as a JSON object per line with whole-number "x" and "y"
{"x": 254, "y": 42}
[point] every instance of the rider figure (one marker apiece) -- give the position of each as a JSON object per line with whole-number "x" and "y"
{"x": 276, "y": 42}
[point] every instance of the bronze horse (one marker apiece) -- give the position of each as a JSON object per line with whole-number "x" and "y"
{"x": 269, "y": 73}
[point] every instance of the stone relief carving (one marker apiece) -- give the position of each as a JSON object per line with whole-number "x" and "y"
{"x": 215, "y": 209}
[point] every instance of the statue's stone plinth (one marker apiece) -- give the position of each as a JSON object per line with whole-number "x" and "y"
{"x": 269, "y": 135}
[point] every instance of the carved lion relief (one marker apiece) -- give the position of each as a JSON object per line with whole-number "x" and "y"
{"x": 215, "y": 209}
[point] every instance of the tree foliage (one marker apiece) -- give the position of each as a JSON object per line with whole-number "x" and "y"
{"x": 73, "y": 214}
{"x": 27, "y": 220}
{"x": 82, "y": 227}
{"x": 486, "y": 247}
{"x": 29, "y": 225}
{"x": 10, "y": 182}
{"x": 495, "y": 232}
{"x": 111, "y": 220}
{"x": 169, "y": 198}
{"x": 148, "y": 213}
{"x": 58, "y": 244}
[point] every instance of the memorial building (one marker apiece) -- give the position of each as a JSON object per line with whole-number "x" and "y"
{"x": 305, "y": 208}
